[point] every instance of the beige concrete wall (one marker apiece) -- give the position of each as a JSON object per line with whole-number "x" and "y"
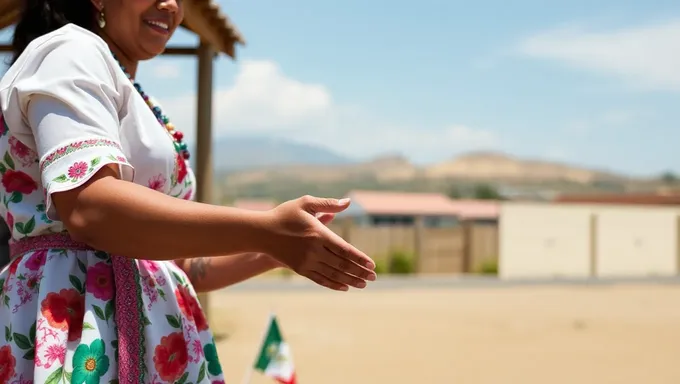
{"x": 544, "y": 241}
{"x": 581, "y": 240}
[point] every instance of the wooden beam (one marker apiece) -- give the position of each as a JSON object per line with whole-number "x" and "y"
{"x": 204, "y": 172}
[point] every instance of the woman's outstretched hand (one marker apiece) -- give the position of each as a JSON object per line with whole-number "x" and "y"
{"x": 303, "y": 243}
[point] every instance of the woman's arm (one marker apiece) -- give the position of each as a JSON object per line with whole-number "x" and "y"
{"x": 213, "y": 273}
{"x": 124, "y": 218}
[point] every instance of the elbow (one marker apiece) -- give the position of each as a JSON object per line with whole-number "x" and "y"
{"x": 81, "y": 229}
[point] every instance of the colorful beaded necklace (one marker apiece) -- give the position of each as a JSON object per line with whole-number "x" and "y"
{"x": 177, "y": 136}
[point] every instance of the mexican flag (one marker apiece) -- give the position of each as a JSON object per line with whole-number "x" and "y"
{"x": 274, "y": 359}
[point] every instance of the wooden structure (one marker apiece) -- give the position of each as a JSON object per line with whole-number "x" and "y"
{"x": 217, "y": 35}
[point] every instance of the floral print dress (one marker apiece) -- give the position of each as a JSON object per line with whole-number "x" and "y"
{"x": 69, "y": 313}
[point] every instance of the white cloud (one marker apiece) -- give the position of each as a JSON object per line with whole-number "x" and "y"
{"x": 166, "y": 71}
{"x": 263, "y": 100}
{"x": 646, "y": 56}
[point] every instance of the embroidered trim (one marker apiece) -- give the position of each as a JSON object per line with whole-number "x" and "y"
{"x": 73, "y": 147}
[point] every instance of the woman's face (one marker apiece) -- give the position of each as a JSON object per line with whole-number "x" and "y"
{"x": 140, "y": 28}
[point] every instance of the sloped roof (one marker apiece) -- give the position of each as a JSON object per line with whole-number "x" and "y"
{"x": 202, "y": 17}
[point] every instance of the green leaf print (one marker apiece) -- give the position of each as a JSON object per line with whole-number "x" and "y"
{"x": 201, "y": 373}
{"x": 30, "y": 354}
{"x": 22, "y": 341}
{"x": 177, "y": 277}
{"x": 3, "y": 168}
{"x": 81, "y": 266}
{"x": 6, "y": 301}
{"x": 174, "y": 322}
{"x": 88, "y": 326}
{"x": 16, "y": 197}
{"x": 27, "y": 227}
{"x": 95, "y": 161}
{"x": 99, "y": 312}
{"x": 31, "y": 333}
{"x": 55, "y": 377}
{"x": 8, "y": 333}
{"x": 183, "y": 379}
{"x": 76, "y": 284}
{"x": 101, "y": 255}
{"x": 108, "y": 310}
{"x": 68, "y": 376}
{"x": 8, "y": 160}
{"x": 61, "y": 178}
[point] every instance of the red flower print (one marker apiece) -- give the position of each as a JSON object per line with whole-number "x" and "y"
{"x": 181, "y": 168}
{"x": 171, "y": 356}
{"x": 77, "y": 170}
{"x": 7, "y": 364}
{"x": 17, "y": 181}
{"x": 100, "y": 281}
{"x": 20, "y": 151}
{"x": 190, "y": 307}
{"x": 157, "y": 182}
{"x": 150, "y": 266}
{"x": 65, "y": 311}
{"x": 36, "y": 260}
{"x": 14, "y": 266}
{"x": 10, "y": 221}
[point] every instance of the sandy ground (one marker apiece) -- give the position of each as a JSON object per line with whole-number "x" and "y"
{"x": 539, "y": 334}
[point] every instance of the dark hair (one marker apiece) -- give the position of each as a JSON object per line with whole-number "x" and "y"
{"x": 40, "y": 17}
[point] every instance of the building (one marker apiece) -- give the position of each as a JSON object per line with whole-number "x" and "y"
{"x": 388, "y": 208}
{"x": 621, "y": 198}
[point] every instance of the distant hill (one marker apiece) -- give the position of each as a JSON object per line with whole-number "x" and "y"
{"x": 243, "y": 153}
{"x": 261, "y": 167}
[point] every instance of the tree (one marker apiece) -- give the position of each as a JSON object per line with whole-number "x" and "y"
{"x": 486, "y": 192}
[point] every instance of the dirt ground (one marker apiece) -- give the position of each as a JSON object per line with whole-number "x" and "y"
{"x": 552, "y": 334}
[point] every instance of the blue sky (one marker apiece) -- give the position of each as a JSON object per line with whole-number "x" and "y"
{"x": 590, "y": 83}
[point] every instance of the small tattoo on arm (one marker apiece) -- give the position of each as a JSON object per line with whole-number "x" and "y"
{"x": 198, "y": 268}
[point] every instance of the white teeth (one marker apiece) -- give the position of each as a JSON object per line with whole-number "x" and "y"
{"x": 159, "y": 24}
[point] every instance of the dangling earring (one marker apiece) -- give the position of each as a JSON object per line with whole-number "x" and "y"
{"x": 101, "y": 21}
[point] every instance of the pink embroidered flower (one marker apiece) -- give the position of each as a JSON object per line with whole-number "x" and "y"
{"x": 77, "y": 170}
{"x": 100, "y": 281}
{"x": 157, "y": 182}
{"x": 52, "y": 354}
{"x": 36, "y": 260}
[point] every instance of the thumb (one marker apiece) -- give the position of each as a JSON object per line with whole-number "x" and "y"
{"x": 316, "y": 205}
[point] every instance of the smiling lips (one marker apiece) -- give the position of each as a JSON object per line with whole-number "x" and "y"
{"x": 160, "y": 26}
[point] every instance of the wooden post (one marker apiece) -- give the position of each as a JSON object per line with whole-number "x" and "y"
{"x": 419, "y": 243}
{"x": 204, "y": 167}
{"x": 466, "y": 230}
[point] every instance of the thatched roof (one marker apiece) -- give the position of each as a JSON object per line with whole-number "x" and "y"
{"x": 203, "y": 17}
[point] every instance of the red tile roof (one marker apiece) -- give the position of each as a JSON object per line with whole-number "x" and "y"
{"x": 426, "y": 204}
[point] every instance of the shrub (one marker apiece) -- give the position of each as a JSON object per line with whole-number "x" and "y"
{"x": 488, "y": 267}
{"x": 401, "y": 263}
{"x": 380, "y": 267}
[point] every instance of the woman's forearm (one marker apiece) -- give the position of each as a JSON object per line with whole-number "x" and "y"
{"x": 127, "y": 219}
{"x": 212, "y": 273}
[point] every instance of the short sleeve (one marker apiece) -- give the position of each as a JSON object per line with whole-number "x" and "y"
{"x": 71, "y": 103}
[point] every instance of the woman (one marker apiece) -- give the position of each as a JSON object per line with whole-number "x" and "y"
{"x": 107, "y": 247}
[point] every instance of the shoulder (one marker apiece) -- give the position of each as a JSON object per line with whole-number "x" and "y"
{"x": 67, "y": 49}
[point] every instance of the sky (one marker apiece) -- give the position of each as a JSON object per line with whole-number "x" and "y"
{"x": 578, "y": 81}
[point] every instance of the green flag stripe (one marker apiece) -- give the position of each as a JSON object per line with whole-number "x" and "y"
{"x": 269, "y": 346}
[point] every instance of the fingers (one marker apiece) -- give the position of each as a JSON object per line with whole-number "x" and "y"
{"x": 345, "y": 250}
{"x": 326, "y": 282}
{"x": 345, "y": 266}
{"x": 315, "y": 205}
{"x": 325, "y": 218}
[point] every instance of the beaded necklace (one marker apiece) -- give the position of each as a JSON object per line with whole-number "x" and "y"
{"x": 177, "y": 136}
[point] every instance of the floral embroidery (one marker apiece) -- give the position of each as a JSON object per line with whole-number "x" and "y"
{"x": 75, "y": 146}
{"x": 171, "y": 356}
{"x": 79, "y": 169}
{"x": 90, "y": 363}
{"x": 157, "y": 182}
